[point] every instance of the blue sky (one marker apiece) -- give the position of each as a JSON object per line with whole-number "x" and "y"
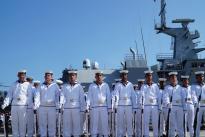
{"x": 48, "y": 34}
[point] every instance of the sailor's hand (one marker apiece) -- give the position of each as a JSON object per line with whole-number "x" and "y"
{"x": 141, "y": 106}
{"x": 59, "y": 110}
{"x": 169, "y": 106}
{"x": 3, "y": 107}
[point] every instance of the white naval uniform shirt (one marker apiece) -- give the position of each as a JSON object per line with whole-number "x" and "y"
{"x": 138, "y": 99}
{"x": 151, "y": 95}
{"x": 18, "y": 94}
{"x": 47, "y": 95}
{"x": 176, "y": 93}
{"x": 189, "y": 96}
{"x": 199, "y": 90}
{"x": 31, "y": 100}
{"x": 124, "y": 94}
{"x": 99, "y": 95}
{"x": 72, "y": 97}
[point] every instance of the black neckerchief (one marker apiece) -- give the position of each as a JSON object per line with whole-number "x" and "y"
{"x": 124, "y": 84}
{"x": 73, "y": 84}
{"x": 46, "y": 84}
{"x": 150, "y": 84}
{"x": 200, "y": 84}
{"x": 21, "y": 82}
{"x": 185, "y": 86}
{"x": 162, "y": 88}
{"x": 173, "y": 85}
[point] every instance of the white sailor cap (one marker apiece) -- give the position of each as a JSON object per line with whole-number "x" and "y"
{"x": 199, "y": 73}
{"x": 148, "y": 72}
{"x": 124, "y": 71}
{"x": 117, "y": 80}
{"x": 58, "y": 81}
{"x": 36, "y": 82}
{"x": 22, "y": 71}
{"x": 99, "y": 72}
{"x": 72, "y": 71}
{"x": 184, "y": 76}
{"x": 135, "y": 85}
{"x": 162, "y": 79}
{"x": 140, "y": 80}
{"x": 49, "y": 72}
{"x": 173, "y": 73}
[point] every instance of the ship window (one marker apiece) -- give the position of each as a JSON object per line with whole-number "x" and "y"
{"x": 202, "y": 65}
{"x": 194, "y": 65}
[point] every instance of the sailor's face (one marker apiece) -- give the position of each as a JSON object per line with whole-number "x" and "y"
{"x": 173, "y": 79}
{"x": 21, "y": 76}
{"x": 72, "y": 77}
{"x": 200, "y": 78}
{"x": 148, "y": 78}
{"x": 124, "y": 77}
{"x": 99, "y": 77}
{"x": 48, "y": 77}
{"x": 36, "y": 85}
{"x": 185, "y": 82}
{"x": 161, "y": 83}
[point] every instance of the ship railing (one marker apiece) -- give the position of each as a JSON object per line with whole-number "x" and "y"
{"x": 163, "y": 56}
{"x": 136, "y": 57}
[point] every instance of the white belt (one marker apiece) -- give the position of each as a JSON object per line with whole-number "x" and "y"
{"x": 124, "y": 98}
{"x": 49, "y": 102}
{"x": 177, "y": 101}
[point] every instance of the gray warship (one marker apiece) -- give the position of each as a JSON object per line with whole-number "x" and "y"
{"x": 184, "y": 59}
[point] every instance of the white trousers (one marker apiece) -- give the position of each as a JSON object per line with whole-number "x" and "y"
{"x": 201, "y": 113}
{"x": 99, "y": 119}
{"x": 30, "y": 122}
{"x": 138, "y": 123}
{"x": 72, "y": 122}
{"x": 163, "y": 120}
{"x": 176, "y": 121}
{"x": 153, "y": 113}
{"x": 47, "y": 117}
{"x": 190, "y": 119}
{"x": 18, "y": 122}
{"x": 124, "y": 120}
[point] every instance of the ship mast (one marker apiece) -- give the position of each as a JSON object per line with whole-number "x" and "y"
{"x": 162, "y": 14}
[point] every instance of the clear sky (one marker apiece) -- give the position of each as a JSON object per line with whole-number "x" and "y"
{"x": 52, "y": 34}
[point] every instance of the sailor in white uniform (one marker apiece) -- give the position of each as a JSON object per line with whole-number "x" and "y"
{"x": 164, "y": 113}
{"x": 151, "y": 101}
{"x": 99, "y": 98}
{"x": 173, "y": 98}
{"x": 190, "y": 100}
{"x": 47, "y": 96}
{"x": 30, "y": 111}
{"x": 137, "y": 108}
{"x": 36, "y": 84}
{"x": 124, "y": 92}
{"x": 73, "y": 103}
{"x": 59, "y": 118}
{"x": 19, "y": 95}
{"x": 199, "y": 89}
